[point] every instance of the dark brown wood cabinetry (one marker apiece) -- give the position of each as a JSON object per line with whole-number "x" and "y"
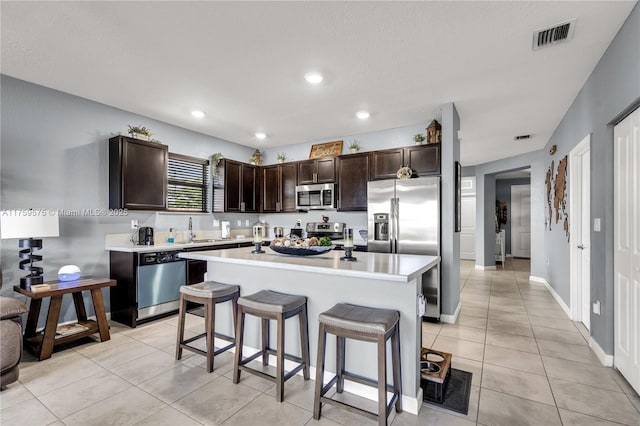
{"x": 235, "y": 187}
{"x": 279, "y": 187}
{"x": 317, "y": 171}
{"x": 353, "y": 175}
{"x": 424, "y": 160}
{"x": 137, "y": 174}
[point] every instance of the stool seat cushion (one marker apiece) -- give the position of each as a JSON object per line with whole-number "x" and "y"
{"x": 272, "y": 301}
{"x": 360, "y": 319}
{"x": 209, "y": 289}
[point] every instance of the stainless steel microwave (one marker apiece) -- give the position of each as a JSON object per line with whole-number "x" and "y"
{"x": 316, "y": 197}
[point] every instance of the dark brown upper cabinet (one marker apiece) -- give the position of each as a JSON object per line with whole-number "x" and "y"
{"x": 322, "y": 170}
{"x": 424, "y": 160}
{"x": 353, "y": 175}
{"x": 137, "y": 174}
{"x": 235, "y": 187}
{"x": 279, "y": 188}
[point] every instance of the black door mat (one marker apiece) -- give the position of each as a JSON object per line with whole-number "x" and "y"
{"x": 456, "y": 392}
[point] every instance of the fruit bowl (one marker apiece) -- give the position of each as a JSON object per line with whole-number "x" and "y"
{"x": 301, "y": 251}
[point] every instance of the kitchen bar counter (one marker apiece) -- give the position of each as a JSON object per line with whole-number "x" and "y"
{"x": 391, "y": 281}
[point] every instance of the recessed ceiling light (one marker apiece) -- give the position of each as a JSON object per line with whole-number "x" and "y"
{"x": 197, "y": 113}
{"x": 313, "y": 77}
{"x": 261, "y": 135}
{"x": 362, "y": 115}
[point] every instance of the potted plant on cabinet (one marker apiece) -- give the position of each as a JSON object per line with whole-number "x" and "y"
{"x": 418, "y": 138}
{"x": 140, "y": 132}
{"x": 281, "y": 157}
{"x": 354, "y": 146}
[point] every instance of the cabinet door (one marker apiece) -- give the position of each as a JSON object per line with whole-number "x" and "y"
{"x": 270, "y": 189}
{"x": 288, "y": 180}
{"x": 326, "y": 170}
{"x": 143, "y": 175}
{"x": 424, "y": 160}
{"x": 249, "y": 186}
{"x": 353, "y": 175}
{"x": 232, "y": 186}
{"x": 306, "y": 172}
{"x": 385, "y": 164}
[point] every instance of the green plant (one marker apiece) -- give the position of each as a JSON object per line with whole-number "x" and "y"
{"x": 354, "y": 145}
{"x": 281, "y": 156}
{"x": 141, "y": 130}
{"x": 418, "y": 138}
{"x": 214, "y": 159}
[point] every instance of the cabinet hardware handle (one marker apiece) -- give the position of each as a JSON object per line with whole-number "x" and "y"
{"x": 242, "y": 206}
{"x": 581, "y": 247}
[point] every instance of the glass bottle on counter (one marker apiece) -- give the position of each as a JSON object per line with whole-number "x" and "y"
{"x": 170, "y": 238}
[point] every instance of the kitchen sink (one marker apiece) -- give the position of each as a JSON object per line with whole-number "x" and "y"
{"x": 204, "y": 241}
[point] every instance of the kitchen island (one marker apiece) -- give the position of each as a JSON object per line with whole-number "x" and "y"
{"x": 391, "y": 281}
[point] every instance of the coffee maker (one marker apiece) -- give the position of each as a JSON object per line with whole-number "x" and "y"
{"x": 145, "y": 236}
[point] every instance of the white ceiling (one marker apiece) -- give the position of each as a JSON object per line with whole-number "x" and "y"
{"x": 243, "y": 64}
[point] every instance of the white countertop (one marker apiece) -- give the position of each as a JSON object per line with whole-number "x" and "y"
{"x": 135, "y": 248}
{"x": 380, "y": 266}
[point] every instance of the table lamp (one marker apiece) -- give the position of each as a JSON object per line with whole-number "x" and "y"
{"x": 29, "y": 226}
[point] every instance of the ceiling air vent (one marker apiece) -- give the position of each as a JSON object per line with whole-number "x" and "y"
{"x": 521, "y": 137}
{"x": 552, "y": 35}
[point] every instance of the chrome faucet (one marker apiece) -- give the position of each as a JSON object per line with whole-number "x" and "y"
{"x": 190, "y": 236}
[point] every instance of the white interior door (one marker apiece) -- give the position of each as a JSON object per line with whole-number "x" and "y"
{"x": 521, "y": 221}
{"x": 626, "y": 244}
{"x": 468, "y": 228}
{"x": 580, "y": 223}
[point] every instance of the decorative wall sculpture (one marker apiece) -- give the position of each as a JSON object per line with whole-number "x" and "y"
{"x": 557, "y": 199}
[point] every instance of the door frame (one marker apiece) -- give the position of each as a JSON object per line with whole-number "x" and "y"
{"x": 575, "y": 185}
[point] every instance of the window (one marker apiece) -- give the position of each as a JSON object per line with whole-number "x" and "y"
{"x": 188, "y": 183}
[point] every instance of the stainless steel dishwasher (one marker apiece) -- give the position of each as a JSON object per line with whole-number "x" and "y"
{"x": 160, "y": 275}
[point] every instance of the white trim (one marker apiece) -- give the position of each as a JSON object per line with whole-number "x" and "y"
{"x": 451, "y": 319}
{"x": 555, "y": 295}
{"x": 508, "y": 255}
{"x": 575, "y": 178}
{"x": 605, "y": 359}
{"x": 486, "y": 268}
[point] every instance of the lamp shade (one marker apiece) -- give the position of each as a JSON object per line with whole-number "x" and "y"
{"x": 23, "y": 224}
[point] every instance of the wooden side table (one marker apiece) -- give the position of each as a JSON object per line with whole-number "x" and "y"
{"x": 44, "y": 341}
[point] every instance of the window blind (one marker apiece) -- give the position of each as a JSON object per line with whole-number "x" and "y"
{"x": 187, "y": 183}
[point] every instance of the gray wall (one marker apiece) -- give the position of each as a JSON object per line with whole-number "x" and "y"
{"x": 612, "y": 90}
{"x": 54, "y": 156}
{"x": 450, "y": 240}
{"x": 503, "y": 193}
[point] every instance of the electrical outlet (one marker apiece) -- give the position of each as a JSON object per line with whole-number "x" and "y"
{"x": 239, "y": 222}
{"x": 216, "y": 223}
{"x": 596, "y": 307}
{"x": 134, "y": 223}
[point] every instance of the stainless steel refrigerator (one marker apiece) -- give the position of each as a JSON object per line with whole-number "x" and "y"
{"x": 404, "y": 217}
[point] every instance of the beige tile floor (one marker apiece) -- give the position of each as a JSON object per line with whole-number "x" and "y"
{"x": 530, "y": 365}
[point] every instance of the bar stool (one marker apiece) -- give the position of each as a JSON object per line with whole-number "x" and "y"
{"x": 366, "y": 324}
{"x": 269, "y": 305}
{"x": 207, "y": 293}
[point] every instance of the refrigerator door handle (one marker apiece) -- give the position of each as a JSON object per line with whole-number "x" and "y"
{"x": 392, "y": 226}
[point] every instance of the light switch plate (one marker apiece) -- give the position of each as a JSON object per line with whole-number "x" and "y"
{"x": 134, "y": 223}
{"x": 596, "y": 224}
{"x": 596, "y": 307}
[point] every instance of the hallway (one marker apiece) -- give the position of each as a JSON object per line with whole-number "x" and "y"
{"x": 530, "y": 364}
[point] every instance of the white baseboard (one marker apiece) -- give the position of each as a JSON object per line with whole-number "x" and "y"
{"x": 409, "y": 404}
{"x": 508, "y": 255}
{"x": 451, "y": 319}
{"x": 605, "y": 359}
{"x": 555, "y": 295}
{"x": 486, "y": 268}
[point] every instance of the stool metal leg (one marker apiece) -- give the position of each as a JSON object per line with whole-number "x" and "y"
{"x": 239, "y": 343}
{"x": 382, "y": 381}
{"x": 304, "y": 341}
{"x": 397, "y": 368}
{"x": 210, "y": 321}
{"x": 280, "y": 360}
{"x": 317, "y": 404}
{"x": 181, "y": 319}
{"x": 340, "y": 356}
{"x": 265, "y": 341}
